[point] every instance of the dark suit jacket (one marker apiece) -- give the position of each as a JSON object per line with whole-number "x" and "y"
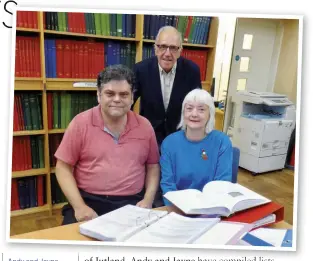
{"x": 148, "y": 87}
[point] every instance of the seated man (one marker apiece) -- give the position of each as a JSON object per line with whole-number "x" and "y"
{"x": 196, "y": 154}
{"x": 109, "y": 155}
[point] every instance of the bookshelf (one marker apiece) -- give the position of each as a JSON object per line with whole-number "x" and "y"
{"x": 39, "y": 83}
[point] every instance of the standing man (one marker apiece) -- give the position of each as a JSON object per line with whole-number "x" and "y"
{"x": 163, "y": 81}
{"x": 109, "y": 155}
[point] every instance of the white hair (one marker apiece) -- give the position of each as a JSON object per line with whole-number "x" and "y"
{"x": 199, "y": 95}
{"x": 168, "y": 28}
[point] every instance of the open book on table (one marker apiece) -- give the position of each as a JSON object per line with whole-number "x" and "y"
{"x": 220, "y": 198}
{"x": 138, "y": 225}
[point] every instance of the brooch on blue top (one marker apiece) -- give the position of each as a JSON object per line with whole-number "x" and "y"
{"x": 204, "y": 156}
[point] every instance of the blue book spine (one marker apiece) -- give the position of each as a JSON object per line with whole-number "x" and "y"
{"x": 110, "y": 53}
{"x": 21, "y": 192}
{"x": 53, "y": 59}
{"x": 46, "y": 58}
{"x": 49, "y": 57}
{"x": 192, "y": 40}
{"x": 152, "y": 27}
{"x": 163, "y": 21}
{"x": 32, "y": 191}
{"x": 129, "y": 25}
{"x": 196, "y": 31}
{"x": 145, "y": 23}
{"x": 118, "y": 53}
{"x": 206, "y": 31}
{"x": 199, "y": 30}
{"x": 133, "y": 25}
{"x": 157, "y": 25}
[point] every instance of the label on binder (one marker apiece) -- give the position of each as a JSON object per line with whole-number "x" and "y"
{"x": 85, "y": 84}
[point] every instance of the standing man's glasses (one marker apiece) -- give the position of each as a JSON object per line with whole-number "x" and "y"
{"x": 172, "y": 48}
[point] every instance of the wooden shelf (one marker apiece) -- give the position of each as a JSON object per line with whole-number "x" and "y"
{"x": 69, "y": 80}
{"x": 21, "y": 29}
{"x": 66, "y": 84}
{"x": 91, "y": 36}
{"x": 28, "y": 173}
{"x": 29, "y": 132}
{"x": 45, "y": 85}
{"x": 28, "y": 79}
{"x": 28, "y": 211}
{"x": 58, "y": 206}
{"x": 148, "y": 41}
{"x": 28, "y": 84}
{"x": 198, "y": 45}
{"x": 56, "y": 131}
{"x": 184, "y": 44}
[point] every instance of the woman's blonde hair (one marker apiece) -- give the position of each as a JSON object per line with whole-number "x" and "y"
{"x": 199, "y": 95}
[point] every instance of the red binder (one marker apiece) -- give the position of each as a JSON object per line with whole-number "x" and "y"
{"x": 254, "y": 214}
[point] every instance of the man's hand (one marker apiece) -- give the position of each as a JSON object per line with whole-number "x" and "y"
{"x": 85, "y": 213}
{"x": 145, "y": 203}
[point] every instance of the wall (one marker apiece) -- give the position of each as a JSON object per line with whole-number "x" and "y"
{"x": 225, "y": 39}
{"x": 284, "y": 82}
{"x": 286, "y": 77}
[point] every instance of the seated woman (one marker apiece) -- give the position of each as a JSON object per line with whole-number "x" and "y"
{"x": 196, "y": 154}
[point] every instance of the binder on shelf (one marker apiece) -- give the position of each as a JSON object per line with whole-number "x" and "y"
{"x": 85, "y": 84}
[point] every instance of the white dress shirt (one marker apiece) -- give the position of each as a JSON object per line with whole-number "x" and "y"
{"x": 167, "y": 80}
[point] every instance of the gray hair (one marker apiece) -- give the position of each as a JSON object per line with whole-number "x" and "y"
{"x": 168, "y": 28}
{"x": 199, "y": 95}
{"x": 117, "y": 72}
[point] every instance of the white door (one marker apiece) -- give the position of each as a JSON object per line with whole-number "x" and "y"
{"x": 254, "y": 59}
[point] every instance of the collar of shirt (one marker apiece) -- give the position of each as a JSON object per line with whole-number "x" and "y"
{"x": 97, "y": 120}
{"x": 173, "y": 71}
{"x": 109, "y": 132}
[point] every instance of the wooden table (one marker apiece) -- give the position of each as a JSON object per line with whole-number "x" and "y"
{"x": 71, "y": 232}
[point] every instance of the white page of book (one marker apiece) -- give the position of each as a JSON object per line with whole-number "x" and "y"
{"x": 270, "y": 235}
{"x": 220, "y": 234}
{"x": 230, "y": 194}
{"x": 266, "y": 220}
{"x": 121, "y": 223}
{"x": 174, "y": 229}
{"x": 186, "y": 199}
{"x": 226, "y": 187}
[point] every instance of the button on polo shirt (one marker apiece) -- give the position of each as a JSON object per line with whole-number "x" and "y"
{"x": 102, "y": 165}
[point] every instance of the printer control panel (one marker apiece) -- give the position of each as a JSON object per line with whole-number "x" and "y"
{"x": 277, "y": 101}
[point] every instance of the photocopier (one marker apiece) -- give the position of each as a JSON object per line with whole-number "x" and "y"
{"x": 262, "y": 126}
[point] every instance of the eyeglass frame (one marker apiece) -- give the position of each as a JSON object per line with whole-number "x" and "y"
{"x": 175, "y": 50}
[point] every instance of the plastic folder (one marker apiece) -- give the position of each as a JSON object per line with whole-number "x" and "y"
{"x": 255, "y": 241}
{"x": 287, "y": 242}
{"x": 269, "y": 237}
